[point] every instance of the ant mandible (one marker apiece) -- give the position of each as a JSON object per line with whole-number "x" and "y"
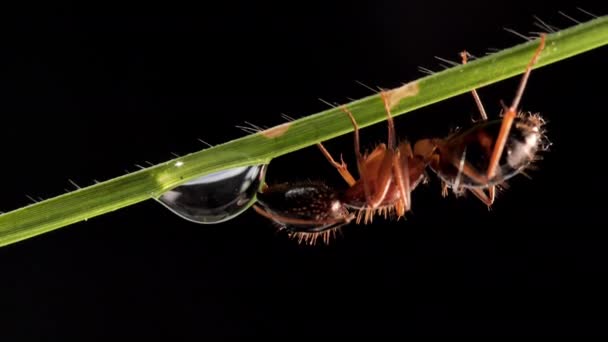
{"x": 477, "y": 159}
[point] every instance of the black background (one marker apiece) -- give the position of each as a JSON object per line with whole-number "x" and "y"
{"x": 87, "y": 92}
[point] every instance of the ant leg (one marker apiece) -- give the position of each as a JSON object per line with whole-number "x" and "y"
{"x": 511, "y": 113}
{"x": 482, "y": 111}
{"x": 464, "y": 168}
{"x": 402, "y": 178}
{"x": 400, "y": 174}
{"x": 384, "y": 177}
{"x": 341, "y": 167}
{"x": 487, "y": 199}
{"x": 392, "y": 143}
{"x": 360, "y": 160}
{"x": 391, "y": 166}
{"x": 444, "y": 188}
{"x": 468, "y": 171}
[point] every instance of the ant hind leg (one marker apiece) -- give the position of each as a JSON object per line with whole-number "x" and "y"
{"x": 482, "y": 111}
{"x": 488, "y": 199}
{"x": 511, "y": 113}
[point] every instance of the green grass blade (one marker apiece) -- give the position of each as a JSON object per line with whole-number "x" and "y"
{"x": 259, "y": 148}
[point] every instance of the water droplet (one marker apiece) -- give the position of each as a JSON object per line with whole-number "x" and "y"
{"x": 216, "y": 197}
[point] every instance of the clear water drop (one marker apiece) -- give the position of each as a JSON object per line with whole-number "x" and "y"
{"x": 216, "y": 197}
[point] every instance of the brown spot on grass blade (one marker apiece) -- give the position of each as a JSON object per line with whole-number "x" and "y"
{"x": 276, "y": 131}
{"x": 398, "y": 94}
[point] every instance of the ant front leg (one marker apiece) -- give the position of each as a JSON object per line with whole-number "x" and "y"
{"x": 341, "y": 167}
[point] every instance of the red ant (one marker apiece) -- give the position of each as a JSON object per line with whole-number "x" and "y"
{"x": 479, "y": 158}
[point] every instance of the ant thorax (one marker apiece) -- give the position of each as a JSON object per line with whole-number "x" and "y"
{"x": 465, "y": 155}
{"x": 414, "y": 169}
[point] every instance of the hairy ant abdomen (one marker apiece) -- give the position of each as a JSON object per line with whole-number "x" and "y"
{"x": 465, "y": 156}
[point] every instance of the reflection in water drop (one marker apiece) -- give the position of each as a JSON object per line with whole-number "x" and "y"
{"x": 216, "y": 197}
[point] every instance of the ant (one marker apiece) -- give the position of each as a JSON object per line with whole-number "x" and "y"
{"x": 477, "y": 159}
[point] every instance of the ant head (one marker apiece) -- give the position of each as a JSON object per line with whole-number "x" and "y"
{"x": 303, "y": 206}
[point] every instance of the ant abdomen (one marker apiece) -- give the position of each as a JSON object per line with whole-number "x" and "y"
{"x": 306, "y": 210}
{"x": 465, "y": 156}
